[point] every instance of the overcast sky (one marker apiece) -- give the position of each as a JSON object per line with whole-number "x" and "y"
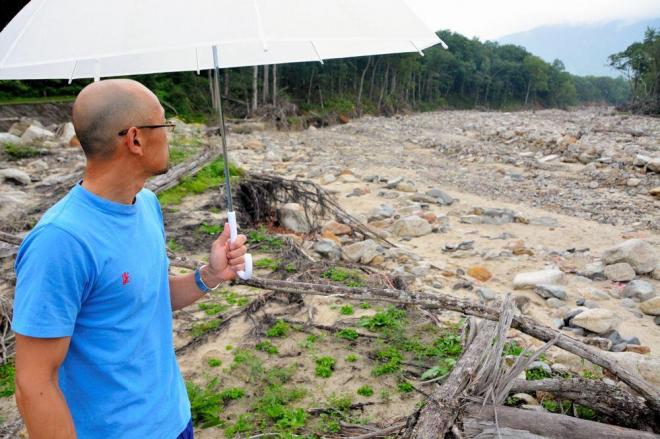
{"x": 491, "y": 19}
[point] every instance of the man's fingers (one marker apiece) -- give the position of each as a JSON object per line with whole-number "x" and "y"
{"x": 240, "y": 241}
{"x": 237, "y": 261}
{"x": 237, "y": 253}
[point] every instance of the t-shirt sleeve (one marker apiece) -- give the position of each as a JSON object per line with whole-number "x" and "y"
{"x": 54, "y": 272}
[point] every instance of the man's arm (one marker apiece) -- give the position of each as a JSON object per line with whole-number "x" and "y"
{"x": 38, "y": 396}
{"x": 225, "y": 261}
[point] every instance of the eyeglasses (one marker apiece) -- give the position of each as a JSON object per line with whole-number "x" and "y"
{"x": 171, "y": 127}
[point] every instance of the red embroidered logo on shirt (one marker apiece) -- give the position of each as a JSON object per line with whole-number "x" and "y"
{"x": 125, "y": 278}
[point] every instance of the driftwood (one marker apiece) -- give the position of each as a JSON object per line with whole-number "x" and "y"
{"x": 478, "y": 418}
{"x": 176, "y": 173}
{"x": 435, "y": 301}
{"x": 11, "y": 239}
{"x": 617, "y": 404}
{"x": 442, "y": 408}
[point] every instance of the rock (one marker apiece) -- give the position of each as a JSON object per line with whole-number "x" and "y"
{"x": 441, "y": 197}
{"x": 548, "y": 291}
{"x": 406, "y": 186}
{"x": 393, "y": 182}
{"x": 74, "y": 141}
{"x": 638, "y": 349}
{"x": 496, "y": 216}
{"x": 15, "y": 175}
{"x": 522, "y": 303}
{"x": 328, "y": 178}
{"x": 651, "y": 307}
{"x": 420, "y": 271}
{"x": 485, "y": 294}
{"x": 9, "y": 138}
{"x": 348, "y": 178}
{"x": 292, "y": 217}
{"x": 655, "y": 192}
{"x": 596, "y": 294}
{"x": 328, "y": 249}
{"x": 411, "y": 226}
{"x": 599, "y": 342}
{"x": 620, "y": 347}
{"x": 363, "y": 251}
{"x": 628, "y": 303}
{"x": 337, "y": 228}
{"x": 529, "y": 399}
{"x": 553, "y": 302}
{"x": 594, "y": 271}
{"x": 633, "y": 340}
{"x": 430, "y": 217}
{"x": 639, "y": 289}
{"x": 656, "y": 320}
{"x": 597, "y": 320}
{"x": 639, "y": 254}
{"x": 653, "y": 164}
{"x": 518, "y": 248}
{"x": 540, "y": 365}
{"x": 559, "y": 368}
{"x": 65, "y": 133}
{"x": 633, "y": 182}
{"x": 381, "y": 212}
{"x": 535, "y": 278}
{"x": 620, "y": 272}
{"x": 480, "y": 273}
{"x": 35, "y": 132}
{"x": 613, "y": 336}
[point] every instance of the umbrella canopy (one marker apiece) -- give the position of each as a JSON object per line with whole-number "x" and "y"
{"x": 69, "y": 39}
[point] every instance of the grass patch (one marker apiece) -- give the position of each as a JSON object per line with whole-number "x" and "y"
{"x": 267, "y": 347}
{"x": 207, "y": 402}
{"x": 405, "y": 387}
{"x": 279, "y": 329}
{"x": 390, "y": 318}
{"x": 324, "y": 366}
{"x": 210, "y": 229}
{"x": 214, "y": 362}
{"x": 263, "y": 241}
{"x": 7, "y": 375}
{"x": 351, "y": 358}
{"x": 365, "y": 391}
{"x": 390, "y": 361}
{"x": 536, "y": 374}
{"x": 174, "y": 246}
{"x": 212, "y": 309}
{"x": 268, "y": 263}
{"x": 346, "y": 310}
{"x": 199, "y": 329}
{"x": 210, "y": 176}
{"x": 235, "y": 299}
{"x": 17, "y": 152}
{"x": 348, "y": 277}
{"x": 512, "y": 348}
{"x": 348, "y": 334}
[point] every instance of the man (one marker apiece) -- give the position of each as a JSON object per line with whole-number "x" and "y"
{"x": 93, "y": 302}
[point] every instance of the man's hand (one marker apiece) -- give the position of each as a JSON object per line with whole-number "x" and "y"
{"x": 226, "y": 259}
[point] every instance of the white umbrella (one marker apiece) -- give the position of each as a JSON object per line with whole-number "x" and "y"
{"x": 69, "y": 39}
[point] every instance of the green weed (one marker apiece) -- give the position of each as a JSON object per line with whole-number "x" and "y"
{"x": 390, "y": 361}
{"x": 324, "y": 366}
{"x": 348, "y": 277}
{"x": 265, "y": 241}
{"x": 17, "y": 152}
{"x": 268, "y": 263}
{"x": 210, "y": 229}
{"x": 390, "y": 318}
{"x": 214, "y": 362}
{"x": 266, "y": 346}
{"x": 346, "y": 310}
{"x": 365, "y": 391}
{"x": 7, "y": 375}
{"x": 405, "y": 387}
{"x": 279, "y": 329}
{"x": 212, "y": 309}
{"x": 351, "y": 358}
{"x": 348, "y": 334}
{"x": 174, "y": 246}
{"x": 199, "y": 329}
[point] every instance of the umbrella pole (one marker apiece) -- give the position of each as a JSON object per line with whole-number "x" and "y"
{"x": 231, "y": 215}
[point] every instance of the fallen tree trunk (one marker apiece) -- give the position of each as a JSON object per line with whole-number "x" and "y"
{"x": 176, "y": 173}
{"x": 478, "y": 418}
{"x": 435, "y": 301}
{"x": 619, "y": 405}
{"x": 442, "y": 408}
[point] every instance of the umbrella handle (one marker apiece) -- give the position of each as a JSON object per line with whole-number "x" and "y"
{"x": 233, "y": 234}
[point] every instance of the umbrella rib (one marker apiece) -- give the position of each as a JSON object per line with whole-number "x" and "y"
{"x": 259, "y": 26}
{"x": 317, "y": 51}
{"x": 20, "y": 35}
{"x": 416, "y": 48}
{"x": 73, "y": 71}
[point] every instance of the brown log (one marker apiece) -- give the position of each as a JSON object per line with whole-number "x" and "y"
{"x": 622, "y": 407}
{"x": 176, "y": 173}
{"x": 442, "y": 408}
{"x": 477, "y": 418}
{"x": 435, "y": 301}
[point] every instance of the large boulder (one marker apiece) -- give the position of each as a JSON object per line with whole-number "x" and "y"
{"x": 292, "y": 216}
{"x": 36, "y": 132}
{"x": 15, "y": 175}
{"x": 411, "y": 226}
{"x": 328, "y": 248}
{"x": 9, "y": 138}
{"x": 620, "y": 272}
{"x": 535, "y": 278}
{"x": 651, "y": 306}
{"x": 597, "y": 320}
{"x": 363, "y": 251}
{"x": 639, "y": 289}
{"x": 65, "y": 133}
{"x": 639, "y": 254}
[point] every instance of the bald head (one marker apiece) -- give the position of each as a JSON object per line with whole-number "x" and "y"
{"x": 104, "y": 108}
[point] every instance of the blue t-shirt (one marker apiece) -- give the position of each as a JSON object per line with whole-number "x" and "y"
{"x": 97, "y": 271}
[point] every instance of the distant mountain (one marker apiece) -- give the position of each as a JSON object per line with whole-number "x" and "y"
{"x": 583, "y": 48}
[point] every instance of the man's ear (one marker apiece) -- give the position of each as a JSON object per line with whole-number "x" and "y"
{"x": 134, "y": 142}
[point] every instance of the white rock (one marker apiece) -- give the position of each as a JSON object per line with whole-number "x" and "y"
{"x": 597, "y": 320}
{"x": 328, "y": 178}
{"x": 35, "y": 132}
{"x": 363, "y": 251}
{"x": 620, "y": 272}
{"x": 639, "y": 254}
{"x": 536, "y": 278}
{"x": 9, "y": 138}
{"x": 292, "y": 217}
{"x": 65, "y": 133}
{"x": 639, "y": 289}
{"x": 15, "y": 175}
{"x": 648, "y": 368}
{"x": 411, "y": 226}
{"x": 328, "y": 249}
{"x": 651, "y": 306}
